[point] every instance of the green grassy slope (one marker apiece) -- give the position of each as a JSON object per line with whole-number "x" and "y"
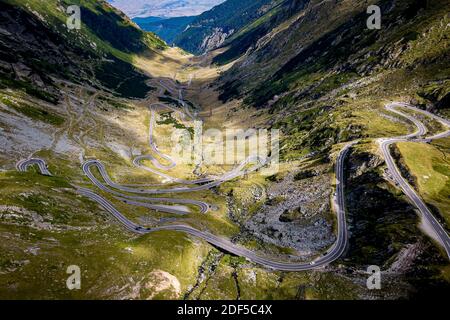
{"x": 251, "y": 33}
{"x": 323, "y": 62}
{"x": 106, "y": 40}
{"x": 430, "y": 168}
{"x": 340, "y": 50}
{"x": 323, "y": 78}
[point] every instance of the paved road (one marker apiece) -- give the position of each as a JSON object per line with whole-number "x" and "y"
{"x": 205, "y": 184}
{"x": 239, "y": 171}
{"x": 443, "y": 121}
{"x": 24, "y": 164}
{"x": 180, "y": 99}
{"x": 112, "y": 188}
{"x": 417, "y": 136}
{"x": 331, "y": 255}
{"x": 155, "y": 149}
{"x": 203, "y": 206}
{"x": 334, "y": 253}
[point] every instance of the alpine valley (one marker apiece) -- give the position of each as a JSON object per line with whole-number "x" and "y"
{"x": 90, "y": 117}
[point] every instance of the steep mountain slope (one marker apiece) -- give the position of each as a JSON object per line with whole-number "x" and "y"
{"x": 68, "y": 96}
{"x": 36, "y": 45}
{"x": 210, "y": 29}
{"x": 322, "y": 77}
{"x": 166, "y": 28}
{"x": 338, "y": 49}
{"x": 317, "y": 60}
{"x": 308, "y": 68}
{"x": 248, "y": 36}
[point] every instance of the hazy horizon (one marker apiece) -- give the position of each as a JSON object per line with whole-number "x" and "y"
{"x": 164, "y": 8}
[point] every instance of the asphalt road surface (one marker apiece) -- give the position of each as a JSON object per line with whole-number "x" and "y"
{"x": 23, "y": 165}
{"x": 417, "y": 136}
{"x": 334, "y": 253}
{"x": 256, "y": 162}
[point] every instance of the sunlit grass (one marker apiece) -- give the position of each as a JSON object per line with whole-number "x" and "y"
{"x": 430, "y": 166}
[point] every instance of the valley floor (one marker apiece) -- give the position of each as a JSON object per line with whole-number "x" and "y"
{"x": 288, "y": 216}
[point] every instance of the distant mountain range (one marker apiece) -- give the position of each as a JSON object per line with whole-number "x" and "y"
{"x": 310, "y": 69}
{"x": 164, "y": 8}
{"x": 211, "y": 29}
{"x": 196, "y": 26}
{"x": 167, "y": 28}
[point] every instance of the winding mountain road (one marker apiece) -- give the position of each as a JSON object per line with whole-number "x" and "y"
{"x": 120, "y": 193}
{"x": 23, "y": 165}
{"x": 155, "y": 149}
{"x": 335, "y": 251}
{"x": 385, "y": 144}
